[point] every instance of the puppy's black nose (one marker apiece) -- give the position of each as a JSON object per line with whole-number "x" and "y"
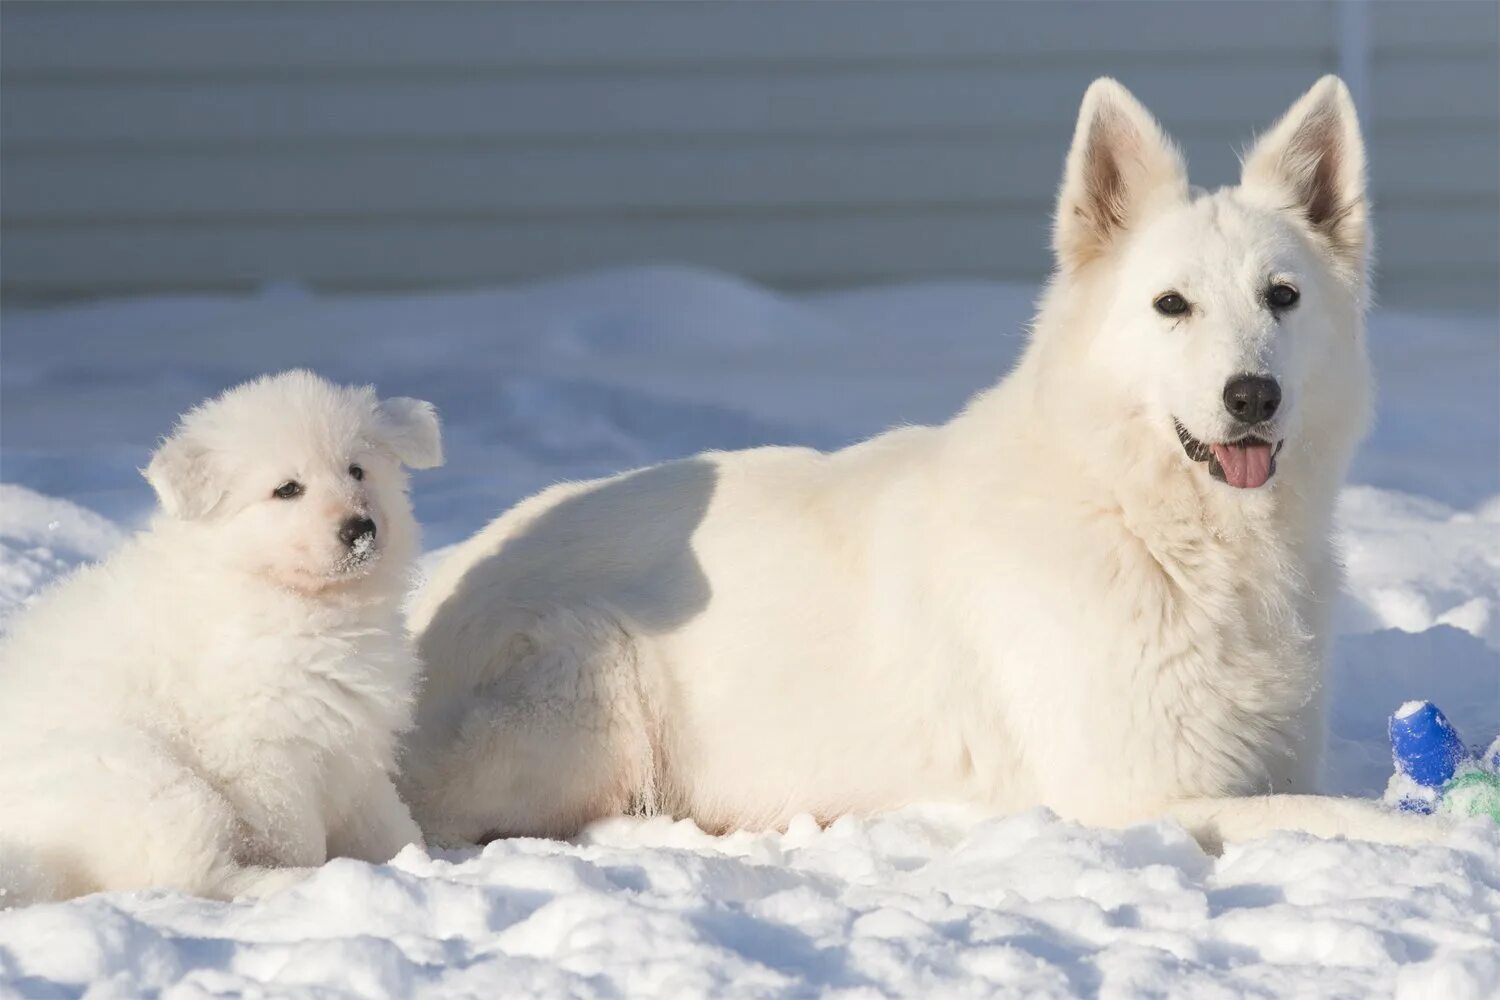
{"x": 1251, "y": 398}
{"x": 356, "y": 528}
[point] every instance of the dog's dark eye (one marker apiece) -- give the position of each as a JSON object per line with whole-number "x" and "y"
{"x": 1282, "y": 296}
{"x": 1171, "y": 304}
{"x": 287, "y": 490}
{"x": 356, "y": 472}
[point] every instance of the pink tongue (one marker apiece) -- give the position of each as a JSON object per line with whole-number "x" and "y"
{"x": 1246, "y": 466}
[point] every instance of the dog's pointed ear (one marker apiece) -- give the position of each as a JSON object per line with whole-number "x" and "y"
{"x": 182, "y": 474}
{"x": 410, "y": 429}
{"x": 1120, "y": 164}
{"x": 1313, "y": 161}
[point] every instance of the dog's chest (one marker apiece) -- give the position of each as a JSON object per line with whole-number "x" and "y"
{"x": 1218, "y": 656}
{"x": 300, "y": 705}
{"x": 1153, "y": 668}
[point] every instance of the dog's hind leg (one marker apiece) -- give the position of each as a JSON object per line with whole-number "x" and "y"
{"x": 560, "y": 734}
{"x": 25, "y": 879}
{"x": 251, "y": 881}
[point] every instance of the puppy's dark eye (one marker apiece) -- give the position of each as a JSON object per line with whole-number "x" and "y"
{"x": 1171, "y": 304}
{"x": 287, "y": 490}
{"x": 1282, "y": 296}
{"x": 356, "y": 472}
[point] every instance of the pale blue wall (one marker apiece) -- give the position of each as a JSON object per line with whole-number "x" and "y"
{"x": 182, "y": 146}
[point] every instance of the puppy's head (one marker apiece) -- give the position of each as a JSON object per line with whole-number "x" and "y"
{"x": 301, "y": 481}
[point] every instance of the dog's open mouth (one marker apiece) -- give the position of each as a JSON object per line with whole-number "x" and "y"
{"x": 1244, "y": 463}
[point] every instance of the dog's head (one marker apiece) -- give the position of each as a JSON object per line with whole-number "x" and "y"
{"x": 300, "y": 480}
{"x": 1230, "y": 321}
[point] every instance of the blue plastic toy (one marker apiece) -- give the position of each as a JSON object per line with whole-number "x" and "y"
{"x": 1435, "y": 771}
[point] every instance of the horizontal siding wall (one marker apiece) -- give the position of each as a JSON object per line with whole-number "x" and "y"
{"x": 174, "y": 146}
{"x": 1435, "y": 151}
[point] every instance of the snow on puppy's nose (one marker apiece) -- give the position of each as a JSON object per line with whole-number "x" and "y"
{"x": 355, "y": 529}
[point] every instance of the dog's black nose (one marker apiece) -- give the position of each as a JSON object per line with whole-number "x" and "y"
{"x": 1252, "y": 398}
{"x": 356, "y": 528}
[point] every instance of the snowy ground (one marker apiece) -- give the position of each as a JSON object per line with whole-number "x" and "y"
{"x": 607, "y": 371}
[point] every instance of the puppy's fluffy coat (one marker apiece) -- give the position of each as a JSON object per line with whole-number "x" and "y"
{"x": 219, "y": 703}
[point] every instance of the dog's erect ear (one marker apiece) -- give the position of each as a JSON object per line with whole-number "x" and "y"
{"x": 410, "y": 428}
{"x": 1313, "y": 161}
{"x": 182, "y": 474}
{"x": 1120, "y": 164}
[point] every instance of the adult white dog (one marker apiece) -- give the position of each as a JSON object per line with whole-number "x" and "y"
{"x": 220, "y": 701}
{"x": 1103, "y": 588}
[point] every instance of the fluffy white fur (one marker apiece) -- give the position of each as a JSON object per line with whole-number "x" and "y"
{"x": 218, "y": 704}
{"x": 1046, "y": 601}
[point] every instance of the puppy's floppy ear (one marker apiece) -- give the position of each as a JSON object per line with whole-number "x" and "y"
{"x": 182, "y": 474}
{"x": 1313, "y": 161}
{"x": 410, "y": 428}
{"x": 1120, "y": 164}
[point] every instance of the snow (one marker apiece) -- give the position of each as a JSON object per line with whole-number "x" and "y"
{"x": 43, "y": 538}
{"x": 920, "y": 903}
{"x": 605, "y": 371}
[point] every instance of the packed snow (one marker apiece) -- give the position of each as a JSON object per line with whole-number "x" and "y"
{"x": 606, "y": 371}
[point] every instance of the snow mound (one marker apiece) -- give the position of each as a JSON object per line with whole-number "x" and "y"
{"x": 923, "y": 902}
{"x": 43, "y": 539}
{"x": 1414, "y": 563}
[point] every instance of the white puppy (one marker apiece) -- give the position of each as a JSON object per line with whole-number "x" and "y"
{"x": 220, "y": 701}
{"x": 1103, "y": 588}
